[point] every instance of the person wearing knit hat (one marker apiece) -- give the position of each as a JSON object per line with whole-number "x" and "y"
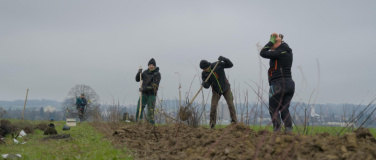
{"x": 152, "y": 61}
{"x": 150, "y": 83}
{"x": 282, "y": 87}
{"x": 220, "y": 86}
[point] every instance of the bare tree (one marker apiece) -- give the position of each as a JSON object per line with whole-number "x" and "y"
{"x": 92, "y": 97}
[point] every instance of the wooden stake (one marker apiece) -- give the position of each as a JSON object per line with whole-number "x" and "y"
{"x": 139, "y": 113}
{"x": 27, "y": 92}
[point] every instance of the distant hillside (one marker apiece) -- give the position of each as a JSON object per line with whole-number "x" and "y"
{"x": 30, "y": 103}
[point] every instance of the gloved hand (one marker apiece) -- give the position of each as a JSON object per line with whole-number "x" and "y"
{"x": 139, "y": 70}
{"x": 140, "y": 89}
{"x": 273, "y": 37}
{"x": 278, "y": 42}
{"x": 221, "y": 58}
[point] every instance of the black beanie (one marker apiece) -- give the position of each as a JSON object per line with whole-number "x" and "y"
{"x": 204, "y": 64}
{"x": 152, "y": 61}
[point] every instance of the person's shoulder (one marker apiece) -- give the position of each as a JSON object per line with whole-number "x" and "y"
{"x": 284, "y": 44}
{"x": 285, "y": 47}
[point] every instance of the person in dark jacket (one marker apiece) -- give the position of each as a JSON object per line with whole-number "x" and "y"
{"x": 220, "y": 86}
{"x": 282, "y": 87}
{"x": 150, "y": 83}
{"x": 80, "y": 106}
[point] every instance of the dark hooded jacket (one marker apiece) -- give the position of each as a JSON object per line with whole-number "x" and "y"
{"x": 280, "y": 60}
{"x": 150, "y": 81}
{"x": 81, "y": 102}
{"x": 218, "y": 80}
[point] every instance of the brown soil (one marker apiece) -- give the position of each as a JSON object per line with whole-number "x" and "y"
{"x": 6, "y": 127}
{"x": 28, "y": 129}
{"x": 179, "y": 141}
{"x": 50, "y": 131}
{"x": 41, "y": 126}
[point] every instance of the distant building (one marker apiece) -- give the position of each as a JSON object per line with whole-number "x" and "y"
{"x": 49, "y": 109}
{"x": 341, "y": 124}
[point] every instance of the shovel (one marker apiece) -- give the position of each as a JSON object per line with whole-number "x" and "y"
{"x": 185, "y": 112}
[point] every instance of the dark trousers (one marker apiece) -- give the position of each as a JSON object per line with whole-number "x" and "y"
{"x": 280, "y": 95}
{"x": 81, "y": 112}
{"x": 214, "y": 103}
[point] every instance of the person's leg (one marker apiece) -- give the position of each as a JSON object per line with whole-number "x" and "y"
{"x": 83, "y": 113}
{"x": 143, "y": 104}
{"x": 275, "y": 95}
{"x": 80, "y": 113}
{"x": 230, "y": 103}
{"x": 151, "y": 107}
{"x": 289, "y": 93}
{"x": 213, "y": 109}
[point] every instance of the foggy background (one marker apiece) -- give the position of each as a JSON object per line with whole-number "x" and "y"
{"x": 50, "y": 46}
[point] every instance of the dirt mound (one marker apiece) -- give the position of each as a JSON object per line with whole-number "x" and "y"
{"x": 178, "y": 141}
{"x": 5, "y": 122}
{"x": 28, "y": 129}
{"x": 6, "y": 127}
{"x": 50, "y": 131}
{"x": 365, "y": 134}
{"x": 41, "y": 126}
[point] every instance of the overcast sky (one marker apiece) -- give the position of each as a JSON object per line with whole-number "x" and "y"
{"x": 50, "y": 46}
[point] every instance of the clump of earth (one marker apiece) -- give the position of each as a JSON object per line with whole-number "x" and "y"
{"x": 179, "y": 141}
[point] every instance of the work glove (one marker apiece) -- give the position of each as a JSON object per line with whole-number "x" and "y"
{"x": 273, "y": 37}
{"x": 278, "y": 42}
{"x": 140, "y": 89}
{"x": 139, "y": 70}
{"x": 221, "y": 58}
